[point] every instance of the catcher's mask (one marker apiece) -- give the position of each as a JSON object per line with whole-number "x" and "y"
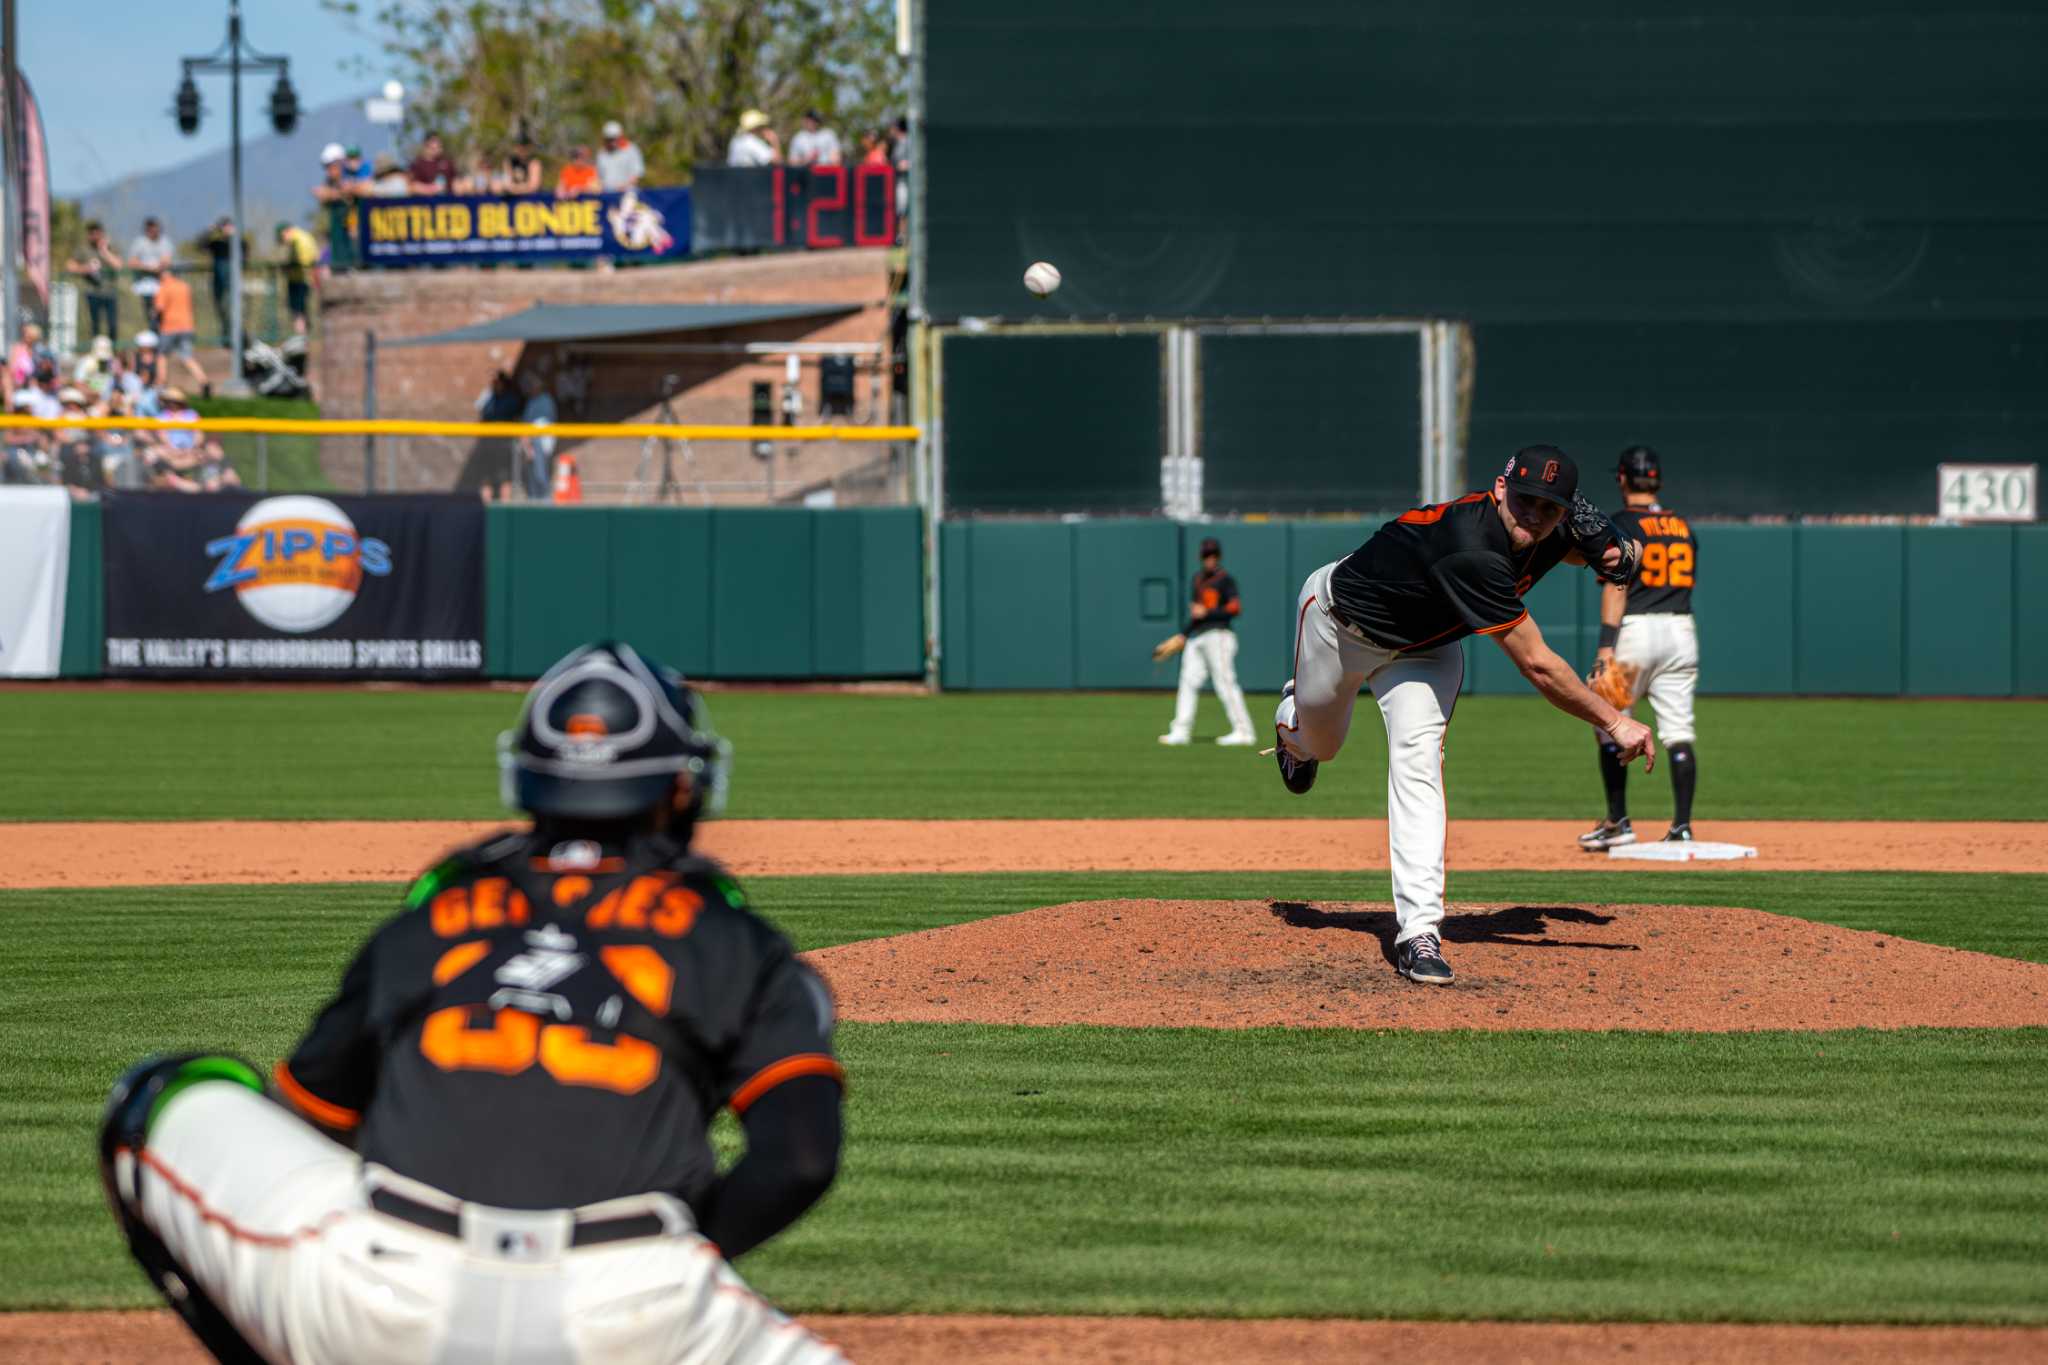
{"x": 606, "y": 735}
{"x": 1638, "y": 469}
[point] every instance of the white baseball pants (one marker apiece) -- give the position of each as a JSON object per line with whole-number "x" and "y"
{"x": 1416, "y": 693}
{"x": 272, "y": 1219}
{"x": 1209, "y": 657}
{"x": 1666, "y": 647}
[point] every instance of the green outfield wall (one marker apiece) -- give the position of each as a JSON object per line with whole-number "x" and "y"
{"x": 1819, "y": 610}
{"x": 786, "y": 594}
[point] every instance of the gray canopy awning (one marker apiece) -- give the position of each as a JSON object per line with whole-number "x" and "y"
{"x": 552, "y": 322}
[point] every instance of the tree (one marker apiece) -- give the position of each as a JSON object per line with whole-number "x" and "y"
{"x": 677, "y": 75}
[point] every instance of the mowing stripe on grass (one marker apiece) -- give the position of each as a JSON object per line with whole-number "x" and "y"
{"x": 320, "y": 755}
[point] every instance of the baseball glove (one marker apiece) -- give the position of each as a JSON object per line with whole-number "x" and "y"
{"x": 1168, "y": 647}
{"x": 1591, "y": 531}
{"x": 1614, "y": 681}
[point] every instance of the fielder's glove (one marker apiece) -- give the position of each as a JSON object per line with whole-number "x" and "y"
{"x": 1614, "y": 682}
{"x": 1168, "y": 647}
{"x": 1591, "y": 531}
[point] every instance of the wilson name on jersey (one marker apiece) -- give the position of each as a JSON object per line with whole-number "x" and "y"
{"x": 1671, "y": 557}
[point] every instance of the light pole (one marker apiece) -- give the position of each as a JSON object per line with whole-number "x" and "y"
{"x": 231, "y": 57}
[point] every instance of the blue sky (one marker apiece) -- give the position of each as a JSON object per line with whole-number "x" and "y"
{"x": 105, "y": 71}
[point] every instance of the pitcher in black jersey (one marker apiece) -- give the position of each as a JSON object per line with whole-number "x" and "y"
{"x": 1392, "y": 615}
{"x": 1646, "y": 625}
{"x": 526, "y": 1061}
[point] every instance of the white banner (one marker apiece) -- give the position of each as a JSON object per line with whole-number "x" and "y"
{"x": 35, "y": 561}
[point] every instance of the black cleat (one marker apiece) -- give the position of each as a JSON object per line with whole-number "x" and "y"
{"x": 1607, "y": 834}
{"x": 1678, "y": 834}
{"x": 1421, "y": 959}
{"x": 1298, "y": 774}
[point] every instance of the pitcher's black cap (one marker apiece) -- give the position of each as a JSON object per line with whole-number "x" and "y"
{"x": 1544, "y": 472}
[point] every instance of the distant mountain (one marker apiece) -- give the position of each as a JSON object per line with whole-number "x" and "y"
{"x": 278, "y": 175}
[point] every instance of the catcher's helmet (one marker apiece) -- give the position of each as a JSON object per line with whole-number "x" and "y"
{"x": 605, "y": 735}
{"x": 1639, "y": 470}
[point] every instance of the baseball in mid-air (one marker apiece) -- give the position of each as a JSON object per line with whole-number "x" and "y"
{"x": 1042, "y": 277}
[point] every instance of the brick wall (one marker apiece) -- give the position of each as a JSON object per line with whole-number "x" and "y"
{"x": 442, "y": 382}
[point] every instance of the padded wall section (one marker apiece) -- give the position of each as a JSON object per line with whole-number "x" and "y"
{"x": 1320, "y": 423}
{"x": 1038, "y": 424}
{"x": 739, "y": 593}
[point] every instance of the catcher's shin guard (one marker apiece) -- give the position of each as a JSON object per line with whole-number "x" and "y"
{"x": 124, "y": 1130}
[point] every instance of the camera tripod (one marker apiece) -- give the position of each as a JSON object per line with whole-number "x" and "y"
{"x": 669, "y": 489}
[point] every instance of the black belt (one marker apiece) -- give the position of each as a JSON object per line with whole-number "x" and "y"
{"x": 585, "y": 1232}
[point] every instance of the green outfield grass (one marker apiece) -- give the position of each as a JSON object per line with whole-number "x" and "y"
{"x": 1823, "y": 1177}
{"x": 117, "y": 754}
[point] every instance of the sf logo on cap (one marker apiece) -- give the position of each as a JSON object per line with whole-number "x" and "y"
{"x": 1550, "y": 471}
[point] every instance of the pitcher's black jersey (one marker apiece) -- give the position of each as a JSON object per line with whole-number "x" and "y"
{"x": 1440, "y": 573}
{"x": 1671, "y": 557}
{"x": 552, "y": 1024}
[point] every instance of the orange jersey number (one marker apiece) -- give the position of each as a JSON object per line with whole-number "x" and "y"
{"x": 1667, "y": 565}
{"x": 477, "y": 1038}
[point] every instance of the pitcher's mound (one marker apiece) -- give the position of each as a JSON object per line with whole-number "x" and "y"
{"x": 1250, "y": 964}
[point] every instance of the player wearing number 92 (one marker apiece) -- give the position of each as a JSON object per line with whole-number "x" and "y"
{"x": 1648, "y": 645}
{"x": 525, "y": 1062}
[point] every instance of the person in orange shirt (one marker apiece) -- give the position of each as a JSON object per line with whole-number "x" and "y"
{"x": 174, "y": 309}
{"x": 579, "y": 175}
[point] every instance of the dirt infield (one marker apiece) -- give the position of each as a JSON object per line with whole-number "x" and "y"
{"x": 1252, "y": 964}
{"x": 220, "y": 851}
{"x": 155, "y": 1338}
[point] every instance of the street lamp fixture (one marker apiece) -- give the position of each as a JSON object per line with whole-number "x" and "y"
{"x": 232, "y": 58}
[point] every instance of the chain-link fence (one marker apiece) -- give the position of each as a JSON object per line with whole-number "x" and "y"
{"x": 618, "y": 464}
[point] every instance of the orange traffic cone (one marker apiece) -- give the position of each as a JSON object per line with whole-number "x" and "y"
{"x": 568, "y": 485}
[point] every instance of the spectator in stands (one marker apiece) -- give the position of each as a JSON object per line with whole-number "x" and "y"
{"x": 874, "y": 148}
{"x": 579, "y": 175}
{"x": 38, "y": 393}
{"x": 180, "y": 328}
{"x": 521, "y": 172}
{"x": 221, "y": 241}
{"x": 815, "y": 144}
{"x": 755, "y": 143}
{"x": 391, "y": 181}
{"x": 619, "y": 166}
{"x": 335, "y": 187}
{"x": 78, "y": 463}
{"x": 147, "y": 365}
{"x": 27, "y": 455}
{"x": 147, "y": 255}
{"x": 489, "y": 468}
{"x": 432, "y": 171}
{"x": 29, "y": 352}
{"x": 95, "y": 369}
{"x": 97, "y": 268}
{"x": 483, "y": 177}
{"x": 537, "y": 452}
{"x": 301, "y": 260}
{"x": 356, "y": 169}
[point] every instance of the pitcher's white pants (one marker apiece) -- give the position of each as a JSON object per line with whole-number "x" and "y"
{"x": 272, "y": 1219}
{"x": 1210, "y": 656}
{"x": 1665, "y": 645}
{"x": 1416, "y": 693}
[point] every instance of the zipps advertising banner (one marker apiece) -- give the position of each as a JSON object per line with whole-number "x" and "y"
{"x": 234, "y": 586}
{"x": 638, "y": 225}
{"x": 35, "y": 562}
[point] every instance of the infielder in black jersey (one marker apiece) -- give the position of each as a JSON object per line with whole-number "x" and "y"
{"x": 1392, "y": 615}
{"x": 526, "y": 1060}
{"x": 1211, "y": 653}
{"x": 1648, "y": 645}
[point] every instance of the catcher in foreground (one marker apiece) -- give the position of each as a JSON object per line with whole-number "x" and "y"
{"x": 491, "y": 1146}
